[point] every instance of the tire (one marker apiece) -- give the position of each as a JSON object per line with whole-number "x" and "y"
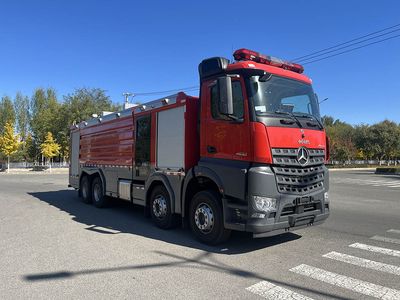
{"x": 160, "y": 208}
{"x": 98, "y": 197}
{"x": 86, "y": 190}
{"x": 206, "y": 218}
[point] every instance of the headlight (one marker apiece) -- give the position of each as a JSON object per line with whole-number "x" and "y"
{"x": 326, "y": 197}
{"x": 264, "y": 204}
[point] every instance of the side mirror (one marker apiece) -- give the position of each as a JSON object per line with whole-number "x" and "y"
{"x": 225, "y": 95}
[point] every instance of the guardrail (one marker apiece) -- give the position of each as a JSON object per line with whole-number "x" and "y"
{"x": 27, "y": 165}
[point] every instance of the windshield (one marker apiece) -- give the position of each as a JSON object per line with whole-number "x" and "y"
{"x": 282, "y": 95}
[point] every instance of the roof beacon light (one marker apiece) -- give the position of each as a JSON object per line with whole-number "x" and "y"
{"x": 246, "y": 54}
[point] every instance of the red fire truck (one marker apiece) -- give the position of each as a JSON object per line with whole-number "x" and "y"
{"x": 248, "y": 154}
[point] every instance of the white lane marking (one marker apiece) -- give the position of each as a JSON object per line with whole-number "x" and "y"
{"x": 394, "y": 231}
{"x": 385, "y": 239}
{"x": 375, "y": 249}
{"x": 362, "y": 262}
{"x": 356, "y": 285}
{"x": 268, "y": 290}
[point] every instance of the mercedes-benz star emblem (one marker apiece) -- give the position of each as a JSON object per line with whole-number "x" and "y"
{"x": 302, "y": 156}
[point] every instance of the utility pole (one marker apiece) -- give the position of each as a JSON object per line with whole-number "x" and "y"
{"x": 127, "y": 104}
{"x": 127, "y": 95}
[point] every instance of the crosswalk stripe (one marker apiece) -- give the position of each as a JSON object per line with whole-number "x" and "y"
{"x": 268, "y": 290}
{"x": 362, "y": 262}
{"x": 385, "y": 239}
{"x": 375, "y": 249}
{"x": 394, "y": 231}
{"x": 353, "y": 284}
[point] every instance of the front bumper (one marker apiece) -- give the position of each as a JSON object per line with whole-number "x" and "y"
{"x": 288, "y": 215}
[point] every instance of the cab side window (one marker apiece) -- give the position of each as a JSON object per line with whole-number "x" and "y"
{"x": 238, "y": 105}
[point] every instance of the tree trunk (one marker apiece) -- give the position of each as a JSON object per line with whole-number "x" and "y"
{"x": 8, "y": 164}
{"x": 50, "y": 164}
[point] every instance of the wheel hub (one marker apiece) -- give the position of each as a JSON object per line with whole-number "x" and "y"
{"x": 204, "y": 218}
{"x": 160, "y": 207}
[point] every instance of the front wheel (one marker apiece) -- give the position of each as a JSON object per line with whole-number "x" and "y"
{"x": 206, "y": 218}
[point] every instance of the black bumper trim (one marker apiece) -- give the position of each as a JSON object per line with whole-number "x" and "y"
{"x": 298, "y": 221}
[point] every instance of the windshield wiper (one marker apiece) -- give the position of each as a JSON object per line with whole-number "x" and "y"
{"x": 291, "y": 115}
{"x": 312, "y": 117}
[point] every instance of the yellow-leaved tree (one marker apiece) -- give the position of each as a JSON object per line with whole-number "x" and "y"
{"x": 9, "y": 143}
{"x": 49, "y": 148}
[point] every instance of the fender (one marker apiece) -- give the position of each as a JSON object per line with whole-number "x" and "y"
{"x": 91, "y": 171}
{"x": 198, "y": 171}
{"x": 157, "y": 176}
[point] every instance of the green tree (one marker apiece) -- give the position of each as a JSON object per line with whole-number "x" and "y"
{"x": 82, "y": 103}
{"x": 49, "y": 148}
{"x": 327, "y": 120}
{"x": 7, "y": 112}
{"x": 341, "y": 135}
{"x": 21, "y": 104}
{"x": 80, "y": 106}
{"x": 45, "y": 111}
{"x": 364, "y": 141}
{"x": 9, "y": 143}
{"x": 30, "y": 149}
{"x": 385, "y": 136}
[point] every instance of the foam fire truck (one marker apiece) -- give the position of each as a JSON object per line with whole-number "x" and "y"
{"x": 248, "y": 154}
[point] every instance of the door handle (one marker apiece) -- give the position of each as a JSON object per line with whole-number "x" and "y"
{"x": 211, "y": 149}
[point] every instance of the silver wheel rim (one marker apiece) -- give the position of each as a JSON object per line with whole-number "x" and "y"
{"x": 96, "y": 192}
{"x": 204, "y": 218}
{"x": 160, "y": 207}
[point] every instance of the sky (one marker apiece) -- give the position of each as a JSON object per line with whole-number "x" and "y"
{"x": 146, "y": 46}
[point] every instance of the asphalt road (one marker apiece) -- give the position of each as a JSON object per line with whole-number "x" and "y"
{"x": 54, "y": 246}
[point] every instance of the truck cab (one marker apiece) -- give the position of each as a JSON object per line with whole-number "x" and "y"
{"x": 261, "y": 134}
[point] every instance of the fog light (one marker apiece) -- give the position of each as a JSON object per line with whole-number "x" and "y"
{"x": 264, "y": 204}
{"x": 326, "y": 197}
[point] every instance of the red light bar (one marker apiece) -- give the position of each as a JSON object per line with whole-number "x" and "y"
{"x": 246, "y": 54}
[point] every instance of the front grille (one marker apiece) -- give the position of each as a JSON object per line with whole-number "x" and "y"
{"x": 292, "y": 178}
{"x": 288, "y": 157}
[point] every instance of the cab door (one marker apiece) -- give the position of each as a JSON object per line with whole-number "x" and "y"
{"x": 225, "y": 137}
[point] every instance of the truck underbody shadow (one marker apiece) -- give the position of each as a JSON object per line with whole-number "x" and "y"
{"x": 123, "y": 217}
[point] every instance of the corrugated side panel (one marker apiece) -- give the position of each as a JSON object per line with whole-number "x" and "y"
{"x": 109, "y": 143}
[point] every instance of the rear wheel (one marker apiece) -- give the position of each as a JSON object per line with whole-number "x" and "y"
{"x": 206, "y": 218}
{"x": 86, "y": 190}
{"x": 99, "y": 199}
{"x": 160, "y": 207}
